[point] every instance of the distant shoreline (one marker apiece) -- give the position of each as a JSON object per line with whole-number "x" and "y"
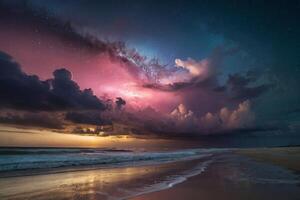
{"x": 287, "y": 157}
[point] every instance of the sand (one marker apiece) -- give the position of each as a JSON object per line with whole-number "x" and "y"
{"x": 110, "y": 183}
{"x": 258, "y": 174}
{"x": 288, "y": 157}
{"x": 217, "y": 184}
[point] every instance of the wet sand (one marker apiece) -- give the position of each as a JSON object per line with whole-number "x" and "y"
{"x": 115, "y": 183}
{"x": 260, "y": 174}
{"x": 288, "y": 157}
{"x": 229, "y": 179}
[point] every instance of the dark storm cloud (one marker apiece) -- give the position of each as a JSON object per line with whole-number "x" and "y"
{"x": 42, "y": 20}
{"x": 16, "y": 13}
{"x": 26, "y": 92}
{"x": 120, "y": 103}
{"x": 93, "y": 118}
{"x": 269, "y": 32}
{"x": 239, "y": 87}
{"x": 42, "y": 120}
{"x": 69, "y": 93}
{"x": 18, "y": 89}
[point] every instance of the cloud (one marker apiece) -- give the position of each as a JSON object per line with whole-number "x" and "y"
{"x": 120, "y": 103}
{"x": 61, "y": 93}
{"x": 43, "y": 120}
{"x": 70, "y": 94}
{"x": 182, "y": 113}
{"x": 27, "y": 92}
{"x": 195, "y": 74}
{"x": 226, "y": 119}
{"x": 14, "y": 14}
{"x": 192, "y": 81}
{"x": 172, "y": 87}
{"x": 93, "y": 118}
{"x": 239, "y": 86}
{"x": 201, "y": 69}
{"x": 42, "y": 22}
{"x": 183, "y": 122}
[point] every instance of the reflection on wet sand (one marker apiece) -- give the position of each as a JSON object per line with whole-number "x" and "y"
{"x": 228, "y": 176}
{"x": 91, "y": 184}
{"x": 235, "y": 177}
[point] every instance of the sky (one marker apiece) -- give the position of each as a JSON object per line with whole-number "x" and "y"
{"x": 159, "y": 68}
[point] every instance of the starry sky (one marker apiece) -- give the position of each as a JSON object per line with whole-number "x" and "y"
{"x": 163, "y": 68}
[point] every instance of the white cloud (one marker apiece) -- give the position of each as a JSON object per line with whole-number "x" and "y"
{"x": 241, "y": 117}
{"x": 182, "y": 113}
{"x": 202, "y": 69}
{"x": 224, "y": 119}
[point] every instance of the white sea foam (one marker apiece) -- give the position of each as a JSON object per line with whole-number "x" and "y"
{"x": 169, "y": 182}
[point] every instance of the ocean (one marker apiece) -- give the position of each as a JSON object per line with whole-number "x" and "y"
{"x": 113, "y": 174}
{"x": 22, "y": 161}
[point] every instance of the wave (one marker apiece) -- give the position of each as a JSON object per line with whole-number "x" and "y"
{"x": 113, "y": 183}
{"x": 43, "y": 159}
{"x": 25, "y": 151}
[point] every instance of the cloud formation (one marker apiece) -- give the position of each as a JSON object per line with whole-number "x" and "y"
{"x": 86, "y": 117}
{"x": 182, "y": 113}
{"x": 120, "y": 103}
{"x": 202, "y": 69}
{"x": 240, "y": 89}
{"x": 194, "y": 74}
{"x": 226, "y": 119}
{"x": 41, "y": 120}
{"x": 191, "y": 86}
{"x": 27, "y": 92}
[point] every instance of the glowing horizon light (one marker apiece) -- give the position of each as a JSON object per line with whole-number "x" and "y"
{"x": 127, "y": 91}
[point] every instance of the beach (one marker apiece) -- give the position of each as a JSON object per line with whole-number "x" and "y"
{"x": 217, "y": 174}
{"x": 287, "y": 157}
{"x": 94, "y": 173}
{"x": 276, "y": 176}
{"x": 115, "y": 183}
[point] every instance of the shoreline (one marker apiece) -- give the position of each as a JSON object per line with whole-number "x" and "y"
{"x": 115, "y": 183}
{"x": 214, "y": 183}
{"x": 286, "y": 157}
{"x": 98, "y": 161}
{"x": 59, "y": 170}
{"x": 222, "y": 179}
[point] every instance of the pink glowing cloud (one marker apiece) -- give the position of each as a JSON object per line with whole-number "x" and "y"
{"x": 241, "y": 117}
{"x": 201, "y": 69}
{"x": 107, "y": 77}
